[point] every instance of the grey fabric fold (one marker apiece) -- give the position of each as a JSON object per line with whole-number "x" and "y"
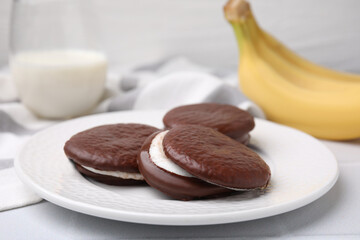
{"x": 7, "y": 124}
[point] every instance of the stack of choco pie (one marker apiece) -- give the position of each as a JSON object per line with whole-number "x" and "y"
{"x": 201, "y": 153}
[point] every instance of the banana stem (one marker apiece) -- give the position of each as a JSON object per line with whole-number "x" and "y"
{"x": 246, "y": 30}
{"x": 236, "y": 11}
{"x": 240, "y": 36}
{"x": 243, "y": 35}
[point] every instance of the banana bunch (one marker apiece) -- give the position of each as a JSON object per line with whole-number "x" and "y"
{"x": 290, "y": 89}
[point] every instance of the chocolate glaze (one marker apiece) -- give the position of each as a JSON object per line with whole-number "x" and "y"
{"x": 110, "y": 180}
{"x": 173, "y": 185}
{"x": 109, "y": 147}
{"x": 215, "y": 158}
{"x": 227, "y": 119}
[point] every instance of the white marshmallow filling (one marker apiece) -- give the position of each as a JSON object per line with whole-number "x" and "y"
{"x": 159, "y": 158}
{"x": 117, "y": 174}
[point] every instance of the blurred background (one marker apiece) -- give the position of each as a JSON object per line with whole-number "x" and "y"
{"x": 139, "y": 31}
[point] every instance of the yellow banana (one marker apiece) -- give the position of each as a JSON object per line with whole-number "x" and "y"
{"x": 305, "y": 64}
{"x": 289, "y": 89}
{"x": 294, "y": 72}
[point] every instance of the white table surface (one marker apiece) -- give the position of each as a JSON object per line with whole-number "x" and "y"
{"x": 336, "y": 215}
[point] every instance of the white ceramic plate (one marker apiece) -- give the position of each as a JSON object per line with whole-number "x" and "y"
{"x": 302, "y": 169}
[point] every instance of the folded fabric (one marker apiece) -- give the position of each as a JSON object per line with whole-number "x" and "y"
{"x": 14, "y": 193}
{"x": 161, "y": 85}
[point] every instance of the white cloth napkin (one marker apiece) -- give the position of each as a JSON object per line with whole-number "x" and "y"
{"x": 161, "y": 85}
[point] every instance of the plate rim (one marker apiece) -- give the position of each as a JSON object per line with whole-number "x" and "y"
{"x": 178, "y": 219}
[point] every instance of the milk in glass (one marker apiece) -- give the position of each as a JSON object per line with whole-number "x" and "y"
{"x": 59, "y": 83}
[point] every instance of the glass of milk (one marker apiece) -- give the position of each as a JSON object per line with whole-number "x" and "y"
{"x": 56, "y": 62}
